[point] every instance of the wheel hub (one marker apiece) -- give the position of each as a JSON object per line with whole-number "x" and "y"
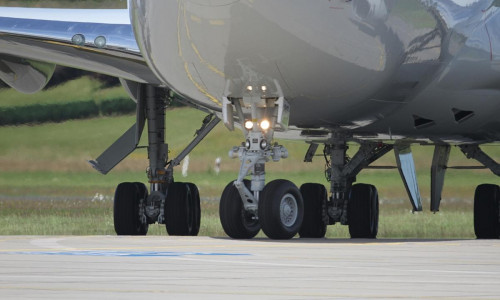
{"x": 288, "y": 210}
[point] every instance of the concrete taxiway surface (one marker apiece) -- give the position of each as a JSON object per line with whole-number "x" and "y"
{"x": 110, "y": 267}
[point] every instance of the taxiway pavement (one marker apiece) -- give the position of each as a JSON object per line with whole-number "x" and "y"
{"x": 112, "y": 267}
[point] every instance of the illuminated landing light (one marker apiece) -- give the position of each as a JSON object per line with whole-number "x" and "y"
{"x": 263, "y": 88}
{"x": 249, "y": 88}
{"x": 78, "y": 39}
{"x": 265, "y": 124}
{"x": 248, "y": 125}
{"x": 100, "y": 42}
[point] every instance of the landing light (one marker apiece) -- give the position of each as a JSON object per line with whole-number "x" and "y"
{"x": 249, "y": 88}
{"x": 265, "y": 124}
{"x": 263, "y": 88}
{"x": 248, "y": 125}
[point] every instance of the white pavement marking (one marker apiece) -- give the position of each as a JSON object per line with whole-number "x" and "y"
{"x": 49, "y": 243}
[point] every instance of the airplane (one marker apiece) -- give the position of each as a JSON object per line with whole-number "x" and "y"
{"x": 380, "y": 74}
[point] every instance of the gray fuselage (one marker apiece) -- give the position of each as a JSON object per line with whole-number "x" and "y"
{"x": 382, "y": 69}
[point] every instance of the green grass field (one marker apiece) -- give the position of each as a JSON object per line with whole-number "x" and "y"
{"x": 81, "y": 89}
{"x": 47, "y": 187}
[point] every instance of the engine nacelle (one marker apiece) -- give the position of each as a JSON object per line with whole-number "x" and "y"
{"x": 25, "y": 75}
{"x": 370, "y": 10}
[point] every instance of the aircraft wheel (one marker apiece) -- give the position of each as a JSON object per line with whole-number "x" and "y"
{"x": 487, "y": 211}
{"x": 315, "y": 217}
{"x": 237, "y": 223}
{"x": 281, "y": 209}
{"x": 181, "y": 205}
{"x": 362, "y": 211}
{"x": 126, "y": 208}
{"x": 195, "y": 199}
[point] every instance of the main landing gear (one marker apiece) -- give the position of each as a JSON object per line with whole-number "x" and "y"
{"x": 175, "y": 204}
{"x": 355, "y": 205}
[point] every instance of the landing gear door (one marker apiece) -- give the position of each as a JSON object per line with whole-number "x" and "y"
{"x": 283, "y": 117}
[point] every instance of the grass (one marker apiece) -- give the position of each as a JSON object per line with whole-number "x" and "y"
{"x": 81, "y": 89}
{"x": 413, "y": 13}
{"x": 94, "y": 217}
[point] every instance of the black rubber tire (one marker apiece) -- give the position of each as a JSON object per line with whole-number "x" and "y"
{"x": 362, "y": 211}
{"x": 195, "y": 200}
{"x": 180, "y": 210}
{"x": 315, "y": 214}
{"x": 487, "y": 211}
{"x": 236, "y": 222}
{"x": 270, "y": 209}
{"x": 126, "y": 209}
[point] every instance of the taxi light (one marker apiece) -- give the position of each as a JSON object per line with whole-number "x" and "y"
{"x": 248, "y": 125}
{"x": 265, "y": 124}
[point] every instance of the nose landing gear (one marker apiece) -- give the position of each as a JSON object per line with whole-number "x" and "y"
{"x": 247, "y": 205}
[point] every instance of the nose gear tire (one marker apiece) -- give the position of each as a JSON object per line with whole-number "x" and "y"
{"x": 281, "y": 209}
{"x": 236, "y": 222}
